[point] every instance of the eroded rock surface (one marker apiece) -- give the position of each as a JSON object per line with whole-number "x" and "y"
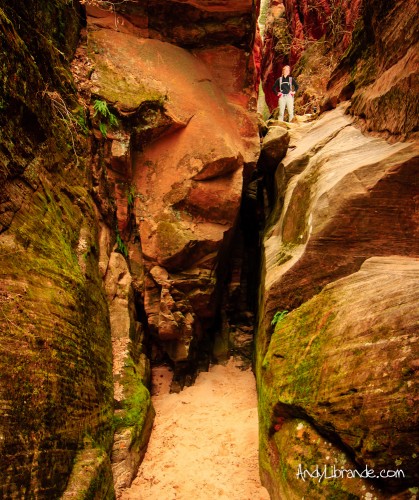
{"x": 341, "y": 254}
{"x": 354, "y": 199}
{"x": 178, "y": 169}
{"x": 56, "y": 356}
{"x": 380, "y": 69}
{"x": 191, "y": 23}
{"x": 131, "y": 372}
{"x": 342, "y": 370}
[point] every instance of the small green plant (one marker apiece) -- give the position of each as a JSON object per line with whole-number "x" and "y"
{"x": 81, "y": 120}
{"x": 103, "y": 128}
{"x": 131, "y": 195}
{"x": 278, "y": 317}
{"x": 122, "y": 248}
{"x": 101, "y": 108}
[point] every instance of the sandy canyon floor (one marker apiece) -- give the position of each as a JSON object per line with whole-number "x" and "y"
{"x": 204, "y": 444}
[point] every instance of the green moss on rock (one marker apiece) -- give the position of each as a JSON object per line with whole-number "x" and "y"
{"x": 56, "y": 338}
{"x": 91, "y": 478}
{"x": 126, "y": 91}
{"x": 340, "y": 366}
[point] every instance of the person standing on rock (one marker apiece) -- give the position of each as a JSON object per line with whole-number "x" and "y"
{"x": 285, "y": 88}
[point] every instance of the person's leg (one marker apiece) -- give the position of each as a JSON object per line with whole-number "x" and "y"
{"x": 281, "y": 103}
{"x": 290, "y": 107}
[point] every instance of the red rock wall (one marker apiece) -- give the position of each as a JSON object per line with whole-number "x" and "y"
{"x": 380, "y": 69}
{"x": 377, "y": 45}
{"x": 292, "y": 23}
{"x": 190, "y": 139}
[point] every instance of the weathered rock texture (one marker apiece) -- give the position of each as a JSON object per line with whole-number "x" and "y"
{"x": 178, "y": 162}
{"x": 379, "y": 71}
{"x": 364, "y": 50}
{"x": 342, "y": 198}
{"x": 323, "y": 29}
{"x": 343, "y": 368}
{"x": 190, "y": 23}
{"x": 355, "y": 193}
{"x": 134, "y": 413}
{"x": 56, "y": 356}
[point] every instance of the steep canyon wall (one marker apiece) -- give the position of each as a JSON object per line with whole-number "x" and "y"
{"x": 123, "y": 186}
{"x": 365, "y": 51}
{"x": 336, "y": 354}
{"x": 56, "y": 358}
{"x": 120, "y": 234}
{"x": 337, "y": 375}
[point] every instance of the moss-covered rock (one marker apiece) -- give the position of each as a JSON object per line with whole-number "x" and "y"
{"x": 91, "y": 478}
{"x": 55, "y": 336}
{"x": 337, "y": 385}
{"x": 133, "y": 423}
{"x": 126, "y": 90}
{"x": 55, "y": 357}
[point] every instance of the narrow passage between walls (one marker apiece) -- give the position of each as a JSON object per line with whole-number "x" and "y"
{"x": 204, "y": 443}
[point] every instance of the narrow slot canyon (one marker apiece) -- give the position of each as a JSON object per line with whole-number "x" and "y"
{"x": 201, "y": 298}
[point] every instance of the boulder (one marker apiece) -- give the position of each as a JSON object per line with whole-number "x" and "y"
{"x": 339, "y": 384}
{"x": 274, "y": 147}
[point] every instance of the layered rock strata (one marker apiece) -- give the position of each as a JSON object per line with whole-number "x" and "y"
{"x": 190, "y": 24}
{"x": 56, "y": 357}
{"x": 341, "y": 253}
{"x": 339, "y": 387}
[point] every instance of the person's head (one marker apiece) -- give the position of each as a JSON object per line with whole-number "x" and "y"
{"x": 286, "y": 70}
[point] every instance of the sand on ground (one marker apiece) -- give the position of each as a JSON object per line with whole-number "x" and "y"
{"x": 204, "y": 444}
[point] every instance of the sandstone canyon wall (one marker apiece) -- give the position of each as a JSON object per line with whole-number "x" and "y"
{"x": 337, "y": 375}
{"x": 56, "y": 357}
{"x": 364, "y": 51}
{"x": 123, "y": 184}
{"x": 336, "y": 348}
{"x": 312, "y": 34}
{"x": 188, "y": 140}
{"x": 132, "y": 203}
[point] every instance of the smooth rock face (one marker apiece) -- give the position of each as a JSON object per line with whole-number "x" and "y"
{"x": 337, "y": 375}
{"x": 355, "y": 193}
{"x": 343, "y": 367}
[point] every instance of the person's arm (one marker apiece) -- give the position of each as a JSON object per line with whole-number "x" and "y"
{"x": 277, "y": 87}
{"x": 295, "y": 84}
